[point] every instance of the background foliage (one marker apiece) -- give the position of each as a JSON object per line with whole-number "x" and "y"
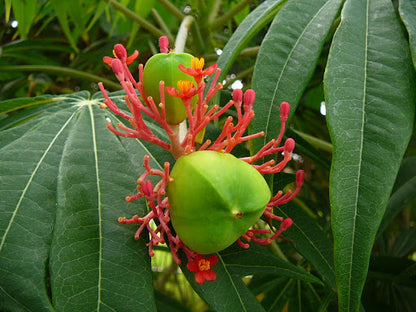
{"x": 346, "y": 68}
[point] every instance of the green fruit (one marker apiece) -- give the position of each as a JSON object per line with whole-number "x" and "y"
{"x": 214, "y": 199}
{"x": 164, "y": 67}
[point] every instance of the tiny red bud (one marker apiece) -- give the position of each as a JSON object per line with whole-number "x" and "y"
{"x": 287, "y": 223}
{"x": 120, "y": 52}
{"x": 164, "y": 44}
{"x": 284, "y": 111}
{"x": 289, "y": 145}
{"x": 249, "y": 97}
{"x": 237, "y": 96}
{"x": 300, "y": 177}
{"x": 118, "y": 70}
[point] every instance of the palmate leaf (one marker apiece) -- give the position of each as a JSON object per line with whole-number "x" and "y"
{"x": 62, "y": 186}
{"x": 370, "y": 95}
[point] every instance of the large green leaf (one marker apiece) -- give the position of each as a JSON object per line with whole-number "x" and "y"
{"x": 370, "y": 94}
{"x": 63, "y": 180}
{"x": 287, "y": 59}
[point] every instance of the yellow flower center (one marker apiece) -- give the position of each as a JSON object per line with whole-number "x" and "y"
{"x": 197, "y": 63}
{"x": 204, "y": 265}
{"x": 185, "y": 85}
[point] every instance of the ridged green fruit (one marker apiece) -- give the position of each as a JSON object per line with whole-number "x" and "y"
{"x": 164, "y": 67}
{"x": 214, "y": 199}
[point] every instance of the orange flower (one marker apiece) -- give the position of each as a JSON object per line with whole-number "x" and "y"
{"x": 186, "y": 90}
{"x": 120, "y": 53}
{"x": 197, "y": 70}
{"x": 202, "y": 267}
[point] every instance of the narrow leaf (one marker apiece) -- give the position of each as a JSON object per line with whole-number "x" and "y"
{"x": 287, "y": 60}
{"x": 370, "y": 93}
{"x": 407, "y": 10}
{"x": 250, "y": 26}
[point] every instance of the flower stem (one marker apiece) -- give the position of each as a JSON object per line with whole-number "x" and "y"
{"x": 138, "y": 19}
{"x": 183, "y": 33}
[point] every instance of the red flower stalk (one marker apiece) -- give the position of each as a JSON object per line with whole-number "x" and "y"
{"x": 233, "y": 133}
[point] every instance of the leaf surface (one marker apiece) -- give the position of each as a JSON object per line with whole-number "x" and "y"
{"x": 63, "y": 180}
{"x": 287, "y": 60}
{"x": 370, "y": 94}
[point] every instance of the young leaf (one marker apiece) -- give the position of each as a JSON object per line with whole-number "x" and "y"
{"x": 370, "y": 93}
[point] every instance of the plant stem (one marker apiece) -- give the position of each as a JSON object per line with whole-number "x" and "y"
{"x": 318, "y": 143}
{"x": 172, "y": 9}
{"x": 183, "y": 33}
{"x": 227, "y": 16}
{"x": 162, "y": 24}
{"x": 61, "y": 70}
{"x": 140, "y": 20}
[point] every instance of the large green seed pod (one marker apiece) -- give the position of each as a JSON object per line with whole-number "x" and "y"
{"x": 214, "y": 199}
{"x": 164, "y": 67}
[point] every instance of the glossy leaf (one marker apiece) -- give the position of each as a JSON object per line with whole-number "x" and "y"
{"x": 250, "y": 26}
{"x": 60, "y": 241}
{"x": 369, "y": 87}
{"x": 287, "y": 60}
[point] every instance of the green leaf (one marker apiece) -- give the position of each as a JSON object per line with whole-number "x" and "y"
{"x": 258, "y": 260}
{"x": 404, "y": 190}
{"x": 250, "y": 26}
{"x": 310, "y": 241}
{"x": 370, "y": 93}
{"x": 407, "y": 10}
{"x": 16, "y": 104}
{"x": 25, "y": 13}
{"x": 227, "y": 293}
{"x": 287, "y": 60}
{"x": 61, "y": 246}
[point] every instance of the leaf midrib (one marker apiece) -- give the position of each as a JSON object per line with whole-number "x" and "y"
{"x": 100, "y": 230}
{"x": 363, "y": 101}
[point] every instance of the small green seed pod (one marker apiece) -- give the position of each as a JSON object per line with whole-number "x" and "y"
{"x": 164, "y": 67}
{"x": 214, "y": 199}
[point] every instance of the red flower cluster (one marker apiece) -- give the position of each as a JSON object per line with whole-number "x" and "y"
{"x": 233, "y": 133}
